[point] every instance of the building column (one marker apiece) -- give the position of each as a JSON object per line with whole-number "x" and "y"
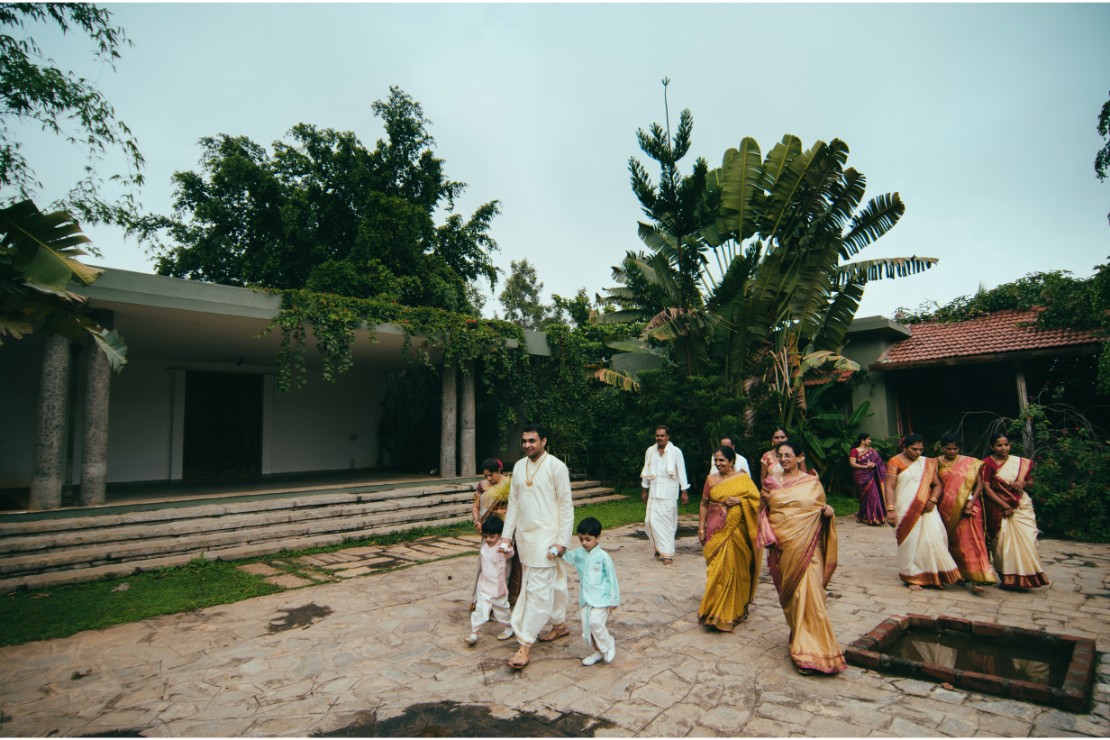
{"x": 467, "y": 435}
{"x": 1023, "y": 405}
{"x": 94, "y": 450}
{"x": 448, "y": 435}
{"x": 48, "y": 460}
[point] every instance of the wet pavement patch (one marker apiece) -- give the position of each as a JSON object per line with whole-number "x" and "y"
{"x": 451, "y": 719}
{"x": 301, "y": 616}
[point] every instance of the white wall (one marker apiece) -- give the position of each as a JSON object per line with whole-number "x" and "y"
{"x": 326, "y": 426}
{"x": 323, "y": 426}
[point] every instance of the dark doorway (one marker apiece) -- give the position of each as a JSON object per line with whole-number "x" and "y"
{"x": 223, "y": 427}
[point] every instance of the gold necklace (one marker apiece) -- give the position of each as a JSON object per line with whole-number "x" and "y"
{"x": 529, "y": 474}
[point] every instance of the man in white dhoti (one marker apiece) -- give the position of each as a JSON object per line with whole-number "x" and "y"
{"x": 539, "y": 523}
{"x": 663, "y": 477}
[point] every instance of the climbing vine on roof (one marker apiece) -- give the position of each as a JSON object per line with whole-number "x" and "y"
{"x": 334, "y": 319}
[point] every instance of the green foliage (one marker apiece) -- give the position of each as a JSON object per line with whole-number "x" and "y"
{"x": 326, "y": 214}
{"x": 497, "y": 346}
{"x": 66, "y": 610}
{"x": 520, "y": 298}
{"x": 62, "y": 103}
{"x": 1071, "y": 491}
{"x": 1102, "y": 158}
{"x": 38, "y": 260}
{"x": 828, "y": 437}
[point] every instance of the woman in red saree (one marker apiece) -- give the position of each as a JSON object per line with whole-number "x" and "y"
{"x": 923, "y": 558}
{"x": 727, "y": 521}
{"x": 869, "y": 473}
{"x": 1011, "y": 522}
{"x": 798, "y": 526}
{"x": 961, "y": 508}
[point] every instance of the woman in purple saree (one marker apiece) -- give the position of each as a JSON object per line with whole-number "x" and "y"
{"x": 869, "y": 472}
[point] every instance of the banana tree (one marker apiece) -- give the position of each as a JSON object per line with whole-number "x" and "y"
{"x": 38, "y": 261}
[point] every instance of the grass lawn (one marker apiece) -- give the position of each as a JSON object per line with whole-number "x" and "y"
{"x": 60, "y": 611}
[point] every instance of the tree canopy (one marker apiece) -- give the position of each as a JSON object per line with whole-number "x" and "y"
{"x": 1102, "y": 158}
{"x": 325, "y": 213}
{"x": 34, "y": 91}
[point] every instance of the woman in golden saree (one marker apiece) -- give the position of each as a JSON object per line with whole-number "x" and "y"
{"x": 727, "y": 521}
{"x": 923, "y": 557}
{"x": 798, "y": 526}
{"x": 961, "y": 508}
{"x": 491, "y": 496}
{"x": 1011, "y": 522}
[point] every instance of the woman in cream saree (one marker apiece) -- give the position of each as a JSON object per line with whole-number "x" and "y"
{"x": 1011, "y": 522}
{"x": 798, "y": 526}
{"x": 727, "y": 521}
{"x": 923, "y": 557}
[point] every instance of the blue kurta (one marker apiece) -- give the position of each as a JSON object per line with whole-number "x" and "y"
{"x": 597, "y": 578}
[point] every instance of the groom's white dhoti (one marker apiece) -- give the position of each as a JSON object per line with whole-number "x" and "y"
{"x": 540, "y": 514}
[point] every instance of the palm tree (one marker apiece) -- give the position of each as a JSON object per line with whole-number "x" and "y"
{"x": 776, "y": 284}
{"x": 37, "y": 262}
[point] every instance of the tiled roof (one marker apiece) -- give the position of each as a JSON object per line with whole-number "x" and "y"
{"x": 996, "y": 333}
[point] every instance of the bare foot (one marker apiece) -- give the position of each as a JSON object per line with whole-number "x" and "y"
{"x": 914, "y": 587}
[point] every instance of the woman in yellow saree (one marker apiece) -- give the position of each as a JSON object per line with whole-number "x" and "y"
{"x": 727, "y": 520}
{"x": 798, "y": 526}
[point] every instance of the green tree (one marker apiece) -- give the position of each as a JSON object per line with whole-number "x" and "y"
{"x": 662, "y": 289}
{"x": 34, "y": 91}
{"x": 1102, "y": 158}
{"x": 325, "y": 213}
{"x": 38, "y": 261}
{"x": 520, "y": 298}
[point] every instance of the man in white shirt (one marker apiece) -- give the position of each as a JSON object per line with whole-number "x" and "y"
{"x": 741, "y": 464}
{"x": 539, "y": 518}
{"x": 663, "y": 477}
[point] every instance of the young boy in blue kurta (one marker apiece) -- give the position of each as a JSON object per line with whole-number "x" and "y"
{"x": 598, "y": 593}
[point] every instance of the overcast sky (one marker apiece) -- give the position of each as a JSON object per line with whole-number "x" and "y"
{"x": 983, "y": 117}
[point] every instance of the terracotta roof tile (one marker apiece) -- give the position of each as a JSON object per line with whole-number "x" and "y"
{"x": 998, "y": 332}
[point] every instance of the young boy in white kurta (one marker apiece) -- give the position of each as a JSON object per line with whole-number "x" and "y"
{"x": 598, "y": 592}
{"x": 492, "y": 590}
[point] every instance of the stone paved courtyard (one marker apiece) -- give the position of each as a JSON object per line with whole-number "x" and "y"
{"x": 373, "y": 646}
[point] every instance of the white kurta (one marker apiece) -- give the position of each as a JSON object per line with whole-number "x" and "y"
{"x": 539, "y": 516}
{"x": 663, "y": 475}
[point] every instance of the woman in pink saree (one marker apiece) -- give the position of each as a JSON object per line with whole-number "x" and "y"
{"x": 869, "y": 474}
{"x": 1011, "y": 522}
{"x": 798, "y": 527}
{"x": 961, "y": 508}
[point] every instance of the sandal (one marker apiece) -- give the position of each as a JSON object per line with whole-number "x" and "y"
{"x": 519, "y": 659}
{"x": 667, "y": 561}
{"x": 559, "y": 630}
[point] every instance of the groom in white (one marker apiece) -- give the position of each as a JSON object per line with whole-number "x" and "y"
{"x": 662, "y": 478}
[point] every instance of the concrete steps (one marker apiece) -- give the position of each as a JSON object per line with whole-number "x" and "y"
{"x": 52, "y": 551}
